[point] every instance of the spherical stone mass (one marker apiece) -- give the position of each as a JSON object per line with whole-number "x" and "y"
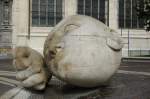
{"x": 83, "y": 51}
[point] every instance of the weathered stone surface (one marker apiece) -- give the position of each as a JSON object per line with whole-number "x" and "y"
{"x": 83, "y": 51}
{"x": 30, "y": 67}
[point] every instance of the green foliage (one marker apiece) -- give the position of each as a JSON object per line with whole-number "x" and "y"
{"x": 143, "y": 11}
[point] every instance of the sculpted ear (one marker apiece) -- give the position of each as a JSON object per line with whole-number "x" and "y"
{"x": 71, "y": 27}
{"x": 114, "y": 41}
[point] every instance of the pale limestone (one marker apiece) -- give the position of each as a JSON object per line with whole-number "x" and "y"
{"x": 83, "y": 51}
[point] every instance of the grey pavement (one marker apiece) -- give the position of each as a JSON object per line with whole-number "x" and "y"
{"x": 132, "y": 81}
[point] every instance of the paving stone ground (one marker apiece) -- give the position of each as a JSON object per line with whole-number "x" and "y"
{"x": 134, "y": 85}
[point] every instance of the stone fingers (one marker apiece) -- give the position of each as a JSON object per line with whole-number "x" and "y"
{"x": 40, "y": 86}
{"x": 33, "y": 80}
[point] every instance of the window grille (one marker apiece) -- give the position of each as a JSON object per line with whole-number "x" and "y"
{"x": 128, "y": 16}
{"x": 94, "y": 8}
{"x": 46, "y": 12}
{"x": 5, "y": 12}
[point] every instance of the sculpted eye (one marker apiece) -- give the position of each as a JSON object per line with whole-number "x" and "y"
{"x": 25, "y": 56}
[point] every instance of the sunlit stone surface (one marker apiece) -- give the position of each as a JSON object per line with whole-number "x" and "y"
{"x": 83, "y": 51}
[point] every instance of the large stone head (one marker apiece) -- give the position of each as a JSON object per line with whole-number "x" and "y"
{"x": 83, "y": 51}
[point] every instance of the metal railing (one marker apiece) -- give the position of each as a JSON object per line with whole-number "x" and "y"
{"x": 131, "y": 51}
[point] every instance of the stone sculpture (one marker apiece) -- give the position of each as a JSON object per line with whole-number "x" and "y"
{"x": 83, "y": 51}
{"x": 30, "y": 68}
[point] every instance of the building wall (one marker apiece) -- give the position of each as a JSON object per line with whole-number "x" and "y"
{"x": 139, "y": 39}
{"x": 38, "y": 34}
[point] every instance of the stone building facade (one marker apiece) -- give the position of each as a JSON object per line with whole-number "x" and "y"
{"x": 28, "y": 22}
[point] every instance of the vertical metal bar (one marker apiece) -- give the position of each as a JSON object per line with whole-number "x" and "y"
{"x": 98, "y": 9}
{"x": 55, "y": 12}
{"x": 106, "y": 4}
{"x": 108, "y": 13}
{"x": 2, "y": 13}
{"x": 9, "y": 10}
{"x": 39, "y": 10}
{"x": 131, "y": 14}
{"x": 46, "y": 12}
{"x": 91, "y": 7}
{"x": 124, "y": 13}
{"x": 29, "y": 16}
{"x": 84, "y": 7}
{"x": 137, "y": 22}
{"x": 128, "y": 43}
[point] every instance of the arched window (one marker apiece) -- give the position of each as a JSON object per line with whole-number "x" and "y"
{"x": 46, "y": 12}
